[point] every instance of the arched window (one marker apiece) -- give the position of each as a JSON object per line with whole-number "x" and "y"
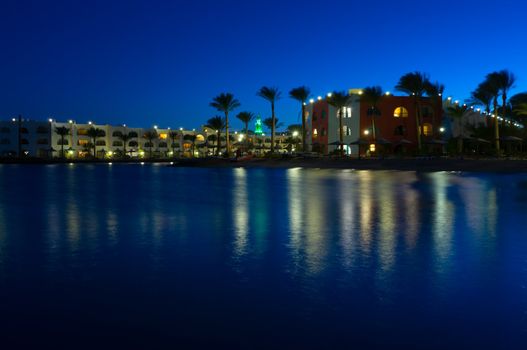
{"x": 175, "y": 145}
{"x": 100, "y": 143}
{"x": 117, "y": 134}
{"x": 133, "y": 144}
{"x": 268, "y": 140}
{"x": 346, "y": 130}
{"x": 400, "y": 112}
{"x": 117, "y": 144}
{"x": 42, "y": 141}
{"x": 63, "y": 142}
{"x": 132, "y": 134}
{"x": 24, "y": 131}
{"x": 103, "y": 133}
{"x": 162, "y": 144}
{"x": 82, "y": 132}
{"x": 200, "y": 138}
{"x": 149, "y": 144}
{"x": 42, "y": 130}
{"x": 24, "y": 142}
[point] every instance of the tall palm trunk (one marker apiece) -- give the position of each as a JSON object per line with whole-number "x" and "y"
{"x": 496, "y": 125}
{"x": 246, "y": 137}
{"x": 418, "y": 123}
{"x": 228, "y": 142}
{"x": 303, "y": 127}
{"x": 94, "y": 147}
{"x": 341, "y": 133}
{"x": 273, "y": 127}
{"x": 218, "y": 143}
{"x": 19, "y": 136}
{"x": 373, "y": 128}
{"x": 460, "y": 137}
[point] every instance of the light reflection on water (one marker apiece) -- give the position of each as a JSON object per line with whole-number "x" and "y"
{"x": 340, "y": 246}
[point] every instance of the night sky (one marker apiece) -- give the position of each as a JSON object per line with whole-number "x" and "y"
{"x": 148, "y": 62}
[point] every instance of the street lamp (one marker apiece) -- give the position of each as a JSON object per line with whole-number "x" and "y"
{"x": 295, "y": 133}
{"x": 366, "y": 132}
{"x": 441, "y": 129}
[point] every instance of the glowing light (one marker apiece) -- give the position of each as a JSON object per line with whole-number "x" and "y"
{"x": 124, "y": 125}
{"x": 181, "y": 129}
{"x": 360, "y": 92}
{"x": 90, "y": 123}
{"x": 366, "y": 132}
{"x": 70, "y": 121}
{"x": 142, "y": 163}
{"x": 319, "y": 98}
{"x": 442, "y": 129}
{"x": 449, "y": 98}
{"x": 295, "y": 133}
{"x": 311, "y": 101}
{"x": 14, "y": 120}
{"x": 372, "y": 147}
{"x": 155, "y": 127}
{"x": 387, "y": 93}
{"x": 50, "y": 120}
{"x": 110, "y": 163}
{"x": 110, "y": 153}
{"x": 330, "y": 94}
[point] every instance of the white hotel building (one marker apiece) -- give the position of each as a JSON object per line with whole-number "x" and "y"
{"x": 40, "y": 139}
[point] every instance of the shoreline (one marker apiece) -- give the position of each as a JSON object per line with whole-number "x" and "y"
{"x": 403, "y": 164}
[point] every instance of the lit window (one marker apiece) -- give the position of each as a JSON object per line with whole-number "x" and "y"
{"x": 315, "y": 133}
{"x": 163, "y": 136}
{"x": 427, "y": 129}
{"x": 400, "y": 112}
{"x": 83, "y": 142}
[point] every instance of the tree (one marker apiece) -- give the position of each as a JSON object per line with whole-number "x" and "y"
{"x": 173, "y": 136}
{"x": 414, "y": 84}
{"x": 192, "y": 139}
{"x": 246, "y": 118}
{"x": 301, "y": 94}
{"x": 493, "y": 84}
{"x": 268, "y": 122}
{"x": 62, "y": 131}
{"x": 435, "y": 93}
{"x": 458, "y": 113}
{"x": 217, "y": 124}
{"x": 482, "y": 96}
{"x": 225, "y": 102}
{"x": 271, "y": 94}
{"x": 372, "y": 96}
{"x": 339, "y": 100}
{"x": 94, "y": 134}
{"x": 150, "y": 136}
{"x": 125, "y": 138}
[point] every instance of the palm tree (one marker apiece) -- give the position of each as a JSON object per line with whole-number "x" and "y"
{"x": 339, "y": 100}
{"x": 458, "y": 113}
{"x": 414, "y": 84}
{"x": 435, "y": 92}
{"x": 150, "y": 136}
{"x": 246, "y": 118}
{"x": 505, "y": 81}
{"x": 271, "y": 94}
{"x": 225, "y": 102}
{"x": 125, "y": 138}
{"x": 173, "y": 136}
{"x": 217, "y": 124}
{"x": 192, "y": 139}
{"x": 268, "y": 122}
{"x": 301, "y": 94}
{"x": 493, "y": 84}
{"x": 372, "y": 96}
{"x": 482, "y": 96}
{"x": 94, "y": 134}
{"x": 62, "y": 131}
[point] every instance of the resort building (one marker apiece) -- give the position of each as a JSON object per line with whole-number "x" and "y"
{"x": 74, "y": 140}
{"x": 395, "y": 127}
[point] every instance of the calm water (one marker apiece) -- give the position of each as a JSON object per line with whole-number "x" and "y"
{"x": 150, "y": 255}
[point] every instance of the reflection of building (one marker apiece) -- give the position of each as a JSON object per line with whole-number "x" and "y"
{"x": 395, "y": 127}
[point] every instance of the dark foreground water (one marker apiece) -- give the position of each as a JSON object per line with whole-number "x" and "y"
{"x": 149, "y": 256}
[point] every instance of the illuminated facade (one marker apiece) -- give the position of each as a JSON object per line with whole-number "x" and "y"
{"x": 41, "y": 139}
{"x": 395, "y": 127}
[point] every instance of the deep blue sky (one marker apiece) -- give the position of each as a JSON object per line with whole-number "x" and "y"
{"x": 148, "y": 62}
